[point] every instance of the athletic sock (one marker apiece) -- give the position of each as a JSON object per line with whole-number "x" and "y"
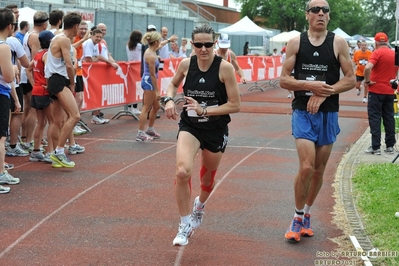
{"x": 199, "y": 205}
{"x": 299, "y": 213}
{"x": 150, "y": 129}
{"x": 307, "y": 209}
{"x": 59, "y": 150}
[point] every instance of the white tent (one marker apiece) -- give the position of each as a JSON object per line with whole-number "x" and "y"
{"x": 245, "y": 26}
{"x": 338, "y": 31}
{"x": 26, "y": 13}
{"x": 284, "y": 36}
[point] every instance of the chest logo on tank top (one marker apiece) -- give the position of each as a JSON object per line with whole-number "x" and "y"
{"x": 202, "y": 80}
{"x": 316, "y": 54}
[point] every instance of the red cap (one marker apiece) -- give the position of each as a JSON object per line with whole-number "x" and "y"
{"x": 381, "y": 37}
{"x": 283, "y": 50}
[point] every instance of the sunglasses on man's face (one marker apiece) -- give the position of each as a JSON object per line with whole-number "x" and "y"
{"x": 316, "y": 9}
{"x": 200, "y": 44}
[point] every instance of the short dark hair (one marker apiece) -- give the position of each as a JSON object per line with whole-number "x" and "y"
{"x": 72, "y": 19}
{"x": 6, "y": 18}
{"x": 55, "y": 16}
{"x": 96, "y": 31}
{"x": 11, "y": 6}
{"x": 23, "y": 24}
{"x": 204, "y": 28}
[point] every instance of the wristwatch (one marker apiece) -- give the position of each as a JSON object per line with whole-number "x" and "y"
{"x": 168, "y": 40}
{"x": 167, "y": 99}
{"x": 367, "y": 82}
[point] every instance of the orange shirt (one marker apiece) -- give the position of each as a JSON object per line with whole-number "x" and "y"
{"x": 79, "y": 54}
{"x": 361, "y": 59}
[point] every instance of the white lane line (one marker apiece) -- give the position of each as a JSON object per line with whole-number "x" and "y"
{"x": 179, "y": 255}
{"x": 27, "y": 233}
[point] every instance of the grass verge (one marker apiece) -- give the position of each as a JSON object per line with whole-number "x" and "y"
{"x": 376, "y": 194}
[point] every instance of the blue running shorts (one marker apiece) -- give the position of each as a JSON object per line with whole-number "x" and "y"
{"x": 321, "y": 128}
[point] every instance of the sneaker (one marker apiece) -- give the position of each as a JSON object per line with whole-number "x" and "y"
{"x": 6, "y": 178}
{"x": 47, "y": 158}
{"x": 36, "y": 156}
{"x": 28, "y": 146}
{"x": 357, "y": 92}
{"x": 289, "y": 95}
{"x": 8, "y": 166}
{"x": 135, "y": 111}
{"x": 17, "y": 151}
{"x": 390, "y": 150}
{"x": 153, "y": 134}
{"x": 197, "y": 215}
{"x": 78, "y": 131}
{"x": 55, "y": 164}
{"x": 97, "y": 120}
{"x": 184, "y": 232}
{"x": 143, "y": 137}
{"x": 307, "y": 228}
{"x": 62, "y": 159}
{"x": 76, "y": 149}
{"x": 371, "y": 151}
{"x": 294, "y": 231}
{"x": 106, "y": 120}
{"x": 364, "y": 100}
{"x": 4, "y": 189}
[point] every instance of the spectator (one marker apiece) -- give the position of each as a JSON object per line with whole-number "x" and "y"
{"x": 149, "y": 83}
{"x": 23, "y": 29}
{"x": 378, "y": 72}
{"x": 275, "y": 53}
{"x": 246, "y": 48}
{"x": 133, "y": 51}
{"x": 163, "y": 46}
{"x": 224, "y": 52}
{"x": 93, "y": 51}
{"x": 183, "y": 48}
{"x": 175, "y": 52}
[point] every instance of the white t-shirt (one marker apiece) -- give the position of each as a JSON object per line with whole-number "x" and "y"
{"x": 92, "y": 50}
{"x": 135, "y": 54}
{"x": 16, "y": 49}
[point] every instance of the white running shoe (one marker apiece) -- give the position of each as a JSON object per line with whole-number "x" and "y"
{"x": 96, "y": 120}
{"x": 184, "y": 232}
{"x": 289, "y": 95}
{"x": 6, "y": 178}
{"x": 135, "y": 111}
{"x": 197, "y": 215}
{"x": 357, "y": 92}
{"x": 364, "y": 100}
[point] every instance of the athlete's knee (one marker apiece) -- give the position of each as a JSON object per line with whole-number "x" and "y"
{"x": 207, "y": 185}
{"x": 183, "y": 174}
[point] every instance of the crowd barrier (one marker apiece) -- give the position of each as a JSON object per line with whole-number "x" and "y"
{"x": 105, "y": 87}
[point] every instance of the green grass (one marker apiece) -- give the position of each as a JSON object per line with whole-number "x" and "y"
{"x": 396, "y": 124}
{"x": 376, "y": 194}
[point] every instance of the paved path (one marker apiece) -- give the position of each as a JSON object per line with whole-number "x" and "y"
{"x": 117, "y": 206}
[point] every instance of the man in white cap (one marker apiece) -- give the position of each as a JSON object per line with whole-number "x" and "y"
{"x": 224, "y": 52}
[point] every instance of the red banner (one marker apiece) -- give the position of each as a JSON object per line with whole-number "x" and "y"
{"x": 106, "y": 87}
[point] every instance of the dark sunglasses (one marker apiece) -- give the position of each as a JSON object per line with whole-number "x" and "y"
{"x": 200, "y": 44}
{"x": 316, "y": 9}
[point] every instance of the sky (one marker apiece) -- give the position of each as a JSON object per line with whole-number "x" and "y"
{"x": 220, "y": 3}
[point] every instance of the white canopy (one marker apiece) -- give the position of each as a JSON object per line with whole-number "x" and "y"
{"x": 284, "y": 36}
{"x": 245, "y": 26}
{"x": 342, "y": 33}
{"x": 26, "y": 13}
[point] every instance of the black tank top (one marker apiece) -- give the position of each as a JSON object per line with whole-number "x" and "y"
{"x": 316, "y": 63}
{"x": 207, "y": 89}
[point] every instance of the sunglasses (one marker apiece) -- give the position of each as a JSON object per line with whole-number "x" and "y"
{"x": 200, "y": 44}
{"x": 316, "y": 9}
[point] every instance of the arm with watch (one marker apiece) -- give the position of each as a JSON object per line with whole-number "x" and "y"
{"x": 170, "y": 39}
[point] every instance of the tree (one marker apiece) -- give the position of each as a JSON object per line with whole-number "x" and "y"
{"x": 287, "y": 15}
{"x": 380, "y": 17}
